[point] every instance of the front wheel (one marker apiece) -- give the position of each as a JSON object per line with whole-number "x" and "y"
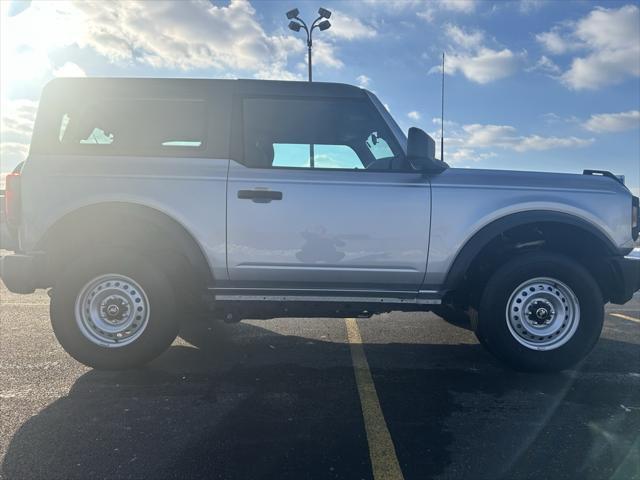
{"x": 114, "y": 310}
{"x": 540, "y": 312}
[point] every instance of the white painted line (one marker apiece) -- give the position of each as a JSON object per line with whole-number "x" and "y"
{"x": 625, "y": 317}
{"x": 382, "y": 452}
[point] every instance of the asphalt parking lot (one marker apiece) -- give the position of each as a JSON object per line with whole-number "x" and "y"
{"x": 403, "y": 395}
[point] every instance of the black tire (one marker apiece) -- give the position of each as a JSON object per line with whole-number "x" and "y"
{"x": 162, "y": 325}
{"x": 492, "y": 327}
{"x": 453, "y": 315}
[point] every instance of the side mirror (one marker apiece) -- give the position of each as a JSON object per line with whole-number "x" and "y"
{"x": 421, "y": 152}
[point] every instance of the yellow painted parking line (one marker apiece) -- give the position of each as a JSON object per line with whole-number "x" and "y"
{"x": 384, "y": 461}
{"x": 625, "y": 317}
{"x": 20, "y": 304}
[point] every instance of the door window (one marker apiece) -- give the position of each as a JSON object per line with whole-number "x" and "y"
{"x": 298, "y": 155}
{"x": 318, "y": 134}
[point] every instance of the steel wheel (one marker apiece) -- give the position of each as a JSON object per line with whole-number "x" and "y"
{"x": 112, "y": 310}
{"x": 543, "y": 313}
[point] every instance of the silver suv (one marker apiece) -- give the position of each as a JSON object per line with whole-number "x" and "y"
{"x": 144, "y": 199}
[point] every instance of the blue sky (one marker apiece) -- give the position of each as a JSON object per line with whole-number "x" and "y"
{"x": 534, "y": 85}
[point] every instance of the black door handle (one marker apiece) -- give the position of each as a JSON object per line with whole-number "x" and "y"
{"x": 259, "y": 196}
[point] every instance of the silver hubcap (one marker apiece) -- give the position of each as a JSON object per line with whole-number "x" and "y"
{"x": 543, "y": 313}
{"x": 112, "y": 310}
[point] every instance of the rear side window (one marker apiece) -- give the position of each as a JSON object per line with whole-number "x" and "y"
{"x": 135, "y": 126}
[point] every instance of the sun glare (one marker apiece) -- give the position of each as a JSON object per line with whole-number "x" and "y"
{"x": 28, "y": 37}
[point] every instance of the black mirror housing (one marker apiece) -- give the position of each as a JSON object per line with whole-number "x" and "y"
{"x": 421, "y": 152}
{"x": 420, "y": 144}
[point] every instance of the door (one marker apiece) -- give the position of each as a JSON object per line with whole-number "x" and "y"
{"x": 322, "y": 199}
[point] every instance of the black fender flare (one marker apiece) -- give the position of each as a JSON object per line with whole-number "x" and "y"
{"x": 482, "y": 237}
{"x": 173, "y": 231}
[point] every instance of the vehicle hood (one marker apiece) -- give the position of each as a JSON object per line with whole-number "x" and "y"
{"x": 512, "y": 179}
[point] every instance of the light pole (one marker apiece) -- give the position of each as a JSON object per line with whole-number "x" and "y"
{"x": 322, "y": 22}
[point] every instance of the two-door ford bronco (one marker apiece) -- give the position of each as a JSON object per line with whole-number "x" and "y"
{"x": 143, "y": 199}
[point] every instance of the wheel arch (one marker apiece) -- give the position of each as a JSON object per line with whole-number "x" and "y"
{"x": 83, "y": 222}
{"x": 483, "y": 237}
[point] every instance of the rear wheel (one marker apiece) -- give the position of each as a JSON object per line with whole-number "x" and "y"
{"x": 114, "y": 310}
{"x": 540, "y": 312}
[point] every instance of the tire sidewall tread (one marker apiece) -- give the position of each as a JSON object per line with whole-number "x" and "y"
{"x": 162, "y": 327}
{"x": 492, "y": 329}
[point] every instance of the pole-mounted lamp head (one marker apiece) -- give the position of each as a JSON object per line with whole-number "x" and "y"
{"x": 324, "y": 13}
{"x": 323, "y": 25}
{"x": 295, "y": 26}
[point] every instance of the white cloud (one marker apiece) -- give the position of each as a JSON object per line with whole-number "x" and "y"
{"x": 277, "y": 71}
{"x": 545, "y": 65}
{"x": 551, "y": 118}
{"x": 181, "y": 36}
{"x": 184, "y": 35}
{"x": 414, "y": 115}
{"x": 613, "y": 122}
{"x": 11, "y": 154}
{"x": 464, "y": 6}
{"x": 17, "y": 120}
{"x": 461, "y": 155}
{"x": 324, "y": 54}
{"x": 464, "y": 39}
{"x": 433, "y": 7}
{"x": 601, "y": 69}
{"x": 554, "y": 42}
{"x": 475, "y": 142}
{"x": 69, "y": 69}
{"x": 528, "y": 6}
{"x": 26, "y": 39}
{"x": 485, "y": 66}
{"x": 610, "y": 42}
{"x": 610, "y": 28}
{"x": 346, "y": 27}
{"x": 468, "y": 55}
{"x": 363, "y": 81}
{"x": 479, "y": 135}
{"x": 16, "y": 125}
{"x": 537, "y": 142}
{"x": 505, "y": 136}
{"x": 554, "y": 119}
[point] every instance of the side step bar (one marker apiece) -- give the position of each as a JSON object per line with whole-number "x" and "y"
{"x": 423, "y": 297}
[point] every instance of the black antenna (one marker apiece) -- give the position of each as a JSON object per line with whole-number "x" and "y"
{"x": 442, "y": 115}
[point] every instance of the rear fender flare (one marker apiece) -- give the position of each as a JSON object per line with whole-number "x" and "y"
{"x": 173, "y": 231}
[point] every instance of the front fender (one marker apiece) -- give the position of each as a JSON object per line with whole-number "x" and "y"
{"x": 481, "y": 238}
